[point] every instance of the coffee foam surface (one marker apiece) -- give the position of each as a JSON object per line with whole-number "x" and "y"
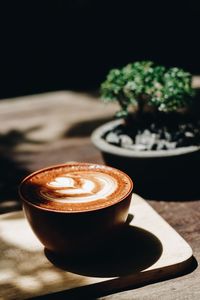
{"x": 76, "y": 187}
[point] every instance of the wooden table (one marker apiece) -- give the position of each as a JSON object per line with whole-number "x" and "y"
{"x": 41, "y": 130}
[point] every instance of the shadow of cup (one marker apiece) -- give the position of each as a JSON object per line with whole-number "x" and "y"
{"x": 132, "y": 250}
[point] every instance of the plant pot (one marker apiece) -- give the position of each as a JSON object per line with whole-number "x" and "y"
{"x": 159, "y": 174}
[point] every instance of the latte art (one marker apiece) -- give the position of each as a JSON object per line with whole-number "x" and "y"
{"x": 75, "y": 188}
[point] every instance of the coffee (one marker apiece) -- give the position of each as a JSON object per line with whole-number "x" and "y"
{"x": 76, "y": 208}
{"x": 76, "y": 187}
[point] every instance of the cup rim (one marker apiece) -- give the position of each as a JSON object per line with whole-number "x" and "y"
{"x": 23, "y": 198}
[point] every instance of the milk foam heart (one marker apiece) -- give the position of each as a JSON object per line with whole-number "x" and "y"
{"x": 77, "y": 188}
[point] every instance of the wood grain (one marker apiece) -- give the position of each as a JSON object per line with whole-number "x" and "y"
{"x": 149, "y": 250}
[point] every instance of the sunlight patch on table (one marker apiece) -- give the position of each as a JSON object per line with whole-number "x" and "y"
{"x": 26, "y": 240}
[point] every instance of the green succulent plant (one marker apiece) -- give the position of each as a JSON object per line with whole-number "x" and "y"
{"x": 145, "y": 83}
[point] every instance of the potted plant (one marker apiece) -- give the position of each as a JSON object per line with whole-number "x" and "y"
{"x": 156, "y": 137}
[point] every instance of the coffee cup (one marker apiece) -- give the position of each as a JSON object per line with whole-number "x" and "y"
{"x": 74, "y": 208}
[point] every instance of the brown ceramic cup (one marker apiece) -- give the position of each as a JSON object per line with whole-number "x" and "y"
{"x": 75, "y": 208}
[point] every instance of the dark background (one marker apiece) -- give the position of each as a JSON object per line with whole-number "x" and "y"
{"x": 52, "y": 45}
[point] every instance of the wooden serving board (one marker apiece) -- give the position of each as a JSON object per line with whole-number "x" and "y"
{"x": 150, "y": 250}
